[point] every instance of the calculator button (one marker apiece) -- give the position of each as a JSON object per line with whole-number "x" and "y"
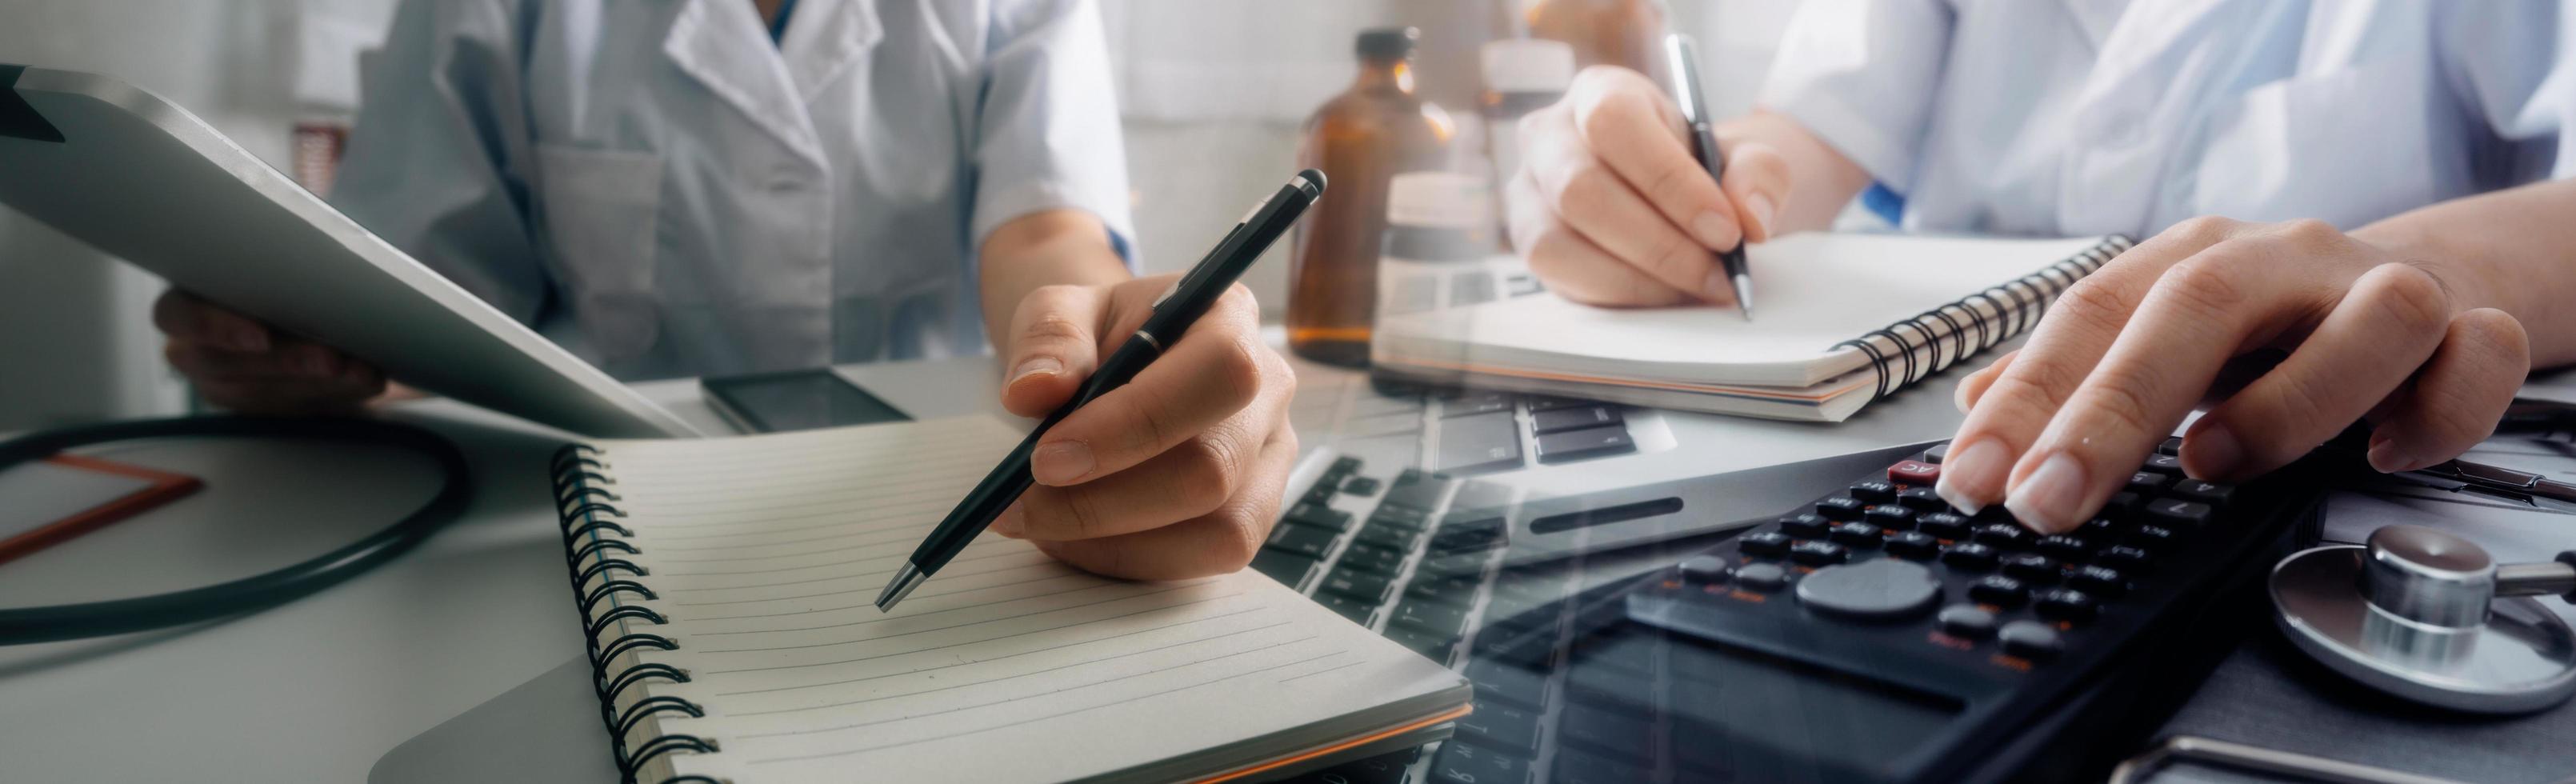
{"x": 1876, "y": 589}
{"x": 1845, "y": 508}
{"x": 1921, "y": 499}
{"x": 2211, "y": 493}
{"x": 2147, "y": 483}
{"x": 2102, "y": 581}
{"x": 1894, "y": 518}
{"x": 2004, "y": 536}
{"x": 1814, "y": 553}
{"x": 2032, "y": 568}
{"x": 1966, "y": 620}
{"x": 2101, "y": 529}
{"x": 1913, "y": 545}
{"x": 2178, "y": 513}
{"x": 2121, "y": 504}
{"x": 2031, "y": 640}
{"x": 2064, "y": 547}
{"x": 2171, "y": 446}
{"x": 1762, "y": 577}
{"x": 1943, "y": 524}
{"x": 1970, "y": 555}
{"x": 1767, "y": 544}
{"x": 2126, "y": 558}
{"x": 1864, "y": 535}
{"x": 1806, "y": 526}
{"x": 2167, "y": 465}
{"x": 2066, "y": 604}
{"x": 1914, "y": 472}
{"x": 1998, "y": 590}
{"x": 1873, "y": 491}
{"x": 1707, "y": 569}
{"x": 2152, "y": 538}
{"x": 1937, "y": 453}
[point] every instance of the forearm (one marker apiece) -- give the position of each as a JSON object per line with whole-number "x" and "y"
{"x": 1821, "y": 180}
{"x": 1063, "y": 246}
{"x": 2513, "y": 250}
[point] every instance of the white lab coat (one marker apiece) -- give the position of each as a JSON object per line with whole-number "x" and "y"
{"x": 660, "y": 187}
{"x": 2081, "y": 117}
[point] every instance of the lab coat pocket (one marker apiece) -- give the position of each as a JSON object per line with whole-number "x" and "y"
{"x": 2348, "y": 146}
{"x": 600, "y": 209}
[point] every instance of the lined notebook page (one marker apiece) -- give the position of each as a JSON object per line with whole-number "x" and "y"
{"x": 766, "y": 552}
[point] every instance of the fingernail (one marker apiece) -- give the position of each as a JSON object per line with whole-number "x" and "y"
{"x": 1035, "y": 366}
{"x": 1981, "y": 465}
{"x": 1718, "y": 287}
{"x": 1715, "y": 231}
{"x": 2387, "y": 458}
{"x": 1759, "y": 206}
{"x": 1959, "y": 396}
{"x": 1062, "y": 462}
{"x": 2214, "y": 452}
{"x": 2047, "y": 500}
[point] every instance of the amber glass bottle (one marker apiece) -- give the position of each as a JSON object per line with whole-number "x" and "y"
{"x": 1613, "y": 32}
{"x": 1360, "y": 139}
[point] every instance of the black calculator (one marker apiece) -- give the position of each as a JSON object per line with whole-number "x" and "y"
{"x": 1879, "y": 634}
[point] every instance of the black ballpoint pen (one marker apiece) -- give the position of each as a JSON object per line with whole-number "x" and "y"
{"x": 1682, "y": 58}
{"x": 1172, "y": 315}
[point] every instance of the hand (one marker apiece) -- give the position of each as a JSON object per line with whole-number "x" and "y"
{"x": 1177, "y": 474}
{"x": 2054, "y": 429}
{"x": 1611, "y": 209}
{"x": 240, "y": 364}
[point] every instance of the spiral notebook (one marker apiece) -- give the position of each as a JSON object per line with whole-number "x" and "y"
{"x": 726, "y": 586}
{"x": 1842, "y": 319}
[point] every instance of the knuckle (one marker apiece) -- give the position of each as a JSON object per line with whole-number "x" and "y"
{"x": 1239, "y": 368}
{"x": 2309, "y": 231}
{"x": 2033, "y": 387}
{"x": 2411, "y": 298}
{"x": 2206, "y": 285}
{"x": 1675, "y": 255}
{"x": 2116, "y": 399}
{"x": 1672, "y": 186}
{"x": 2092, "y": 305}
{"x": 1207, "y": 476}
{"x": 1587, "y": 184}
{"x": 2206, "y": 229}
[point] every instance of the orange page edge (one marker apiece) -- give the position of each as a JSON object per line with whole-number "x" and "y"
{"x": 1452, "y": 714}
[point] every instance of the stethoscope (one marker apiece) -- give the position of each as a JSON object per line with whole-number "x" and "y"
{"x": 2429, "y": 616}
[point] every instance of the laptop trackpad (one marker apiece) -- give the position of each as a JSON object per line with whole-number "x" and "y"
{"x": 546, "y": 729}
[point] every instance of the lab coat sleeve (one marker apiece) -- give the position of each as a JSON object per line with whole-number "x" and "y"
{"x": 2514, "y": 65}
{"x": 436, "y": 163}
{"x": 1047, "y": 127}
{"x": 1862, "y": 75}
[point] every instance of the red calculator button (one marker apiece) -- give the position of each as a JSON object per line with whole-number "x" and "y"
{"x": 1914, "y": 472}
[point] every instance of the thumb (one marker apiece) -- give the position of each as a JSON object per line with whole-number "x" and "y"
{"x": 1053, "y": 345}
{"x": 1757, "y": 181}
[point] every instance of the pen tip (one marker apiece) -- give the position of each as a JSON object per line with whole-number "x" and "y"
{"x": 905, "y": 579}
{"x": 1744, "y": 295}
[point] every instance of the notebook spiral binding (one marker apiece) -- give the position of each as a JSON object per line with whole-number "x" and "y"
{"x": 2017, "y": 305}
{"x": 586, "y": 502}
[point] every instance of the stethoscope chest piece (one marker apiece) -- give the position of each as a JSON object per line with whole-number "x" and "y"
{"x": 2429, "y": 617}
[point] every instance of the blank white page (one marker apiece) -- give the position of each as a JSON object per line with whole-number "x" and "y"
{"x": 766, "y": 553}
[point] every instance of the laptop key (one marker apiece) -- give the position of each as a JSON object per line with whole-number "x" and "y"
{"x": 1302, "y": 540}
{"x": 1585, "y": 444}
{"x": 1472, "y": 403}
{"x": 1361, "y": 485}
{"x": 1357, "y": 610}
{"x": 1387, "y": 536}
{"x": 1432, "y": 646}
{"x": 1468, "y": 537}
{"x": 1611, "y": 733}
{"x": 1371, "y": 558}
{"x": 1405, "y": 517}
{"x": 1563, "y": 419}
{"x": 1358, "y": 585}
{"x": 1436, "y": 617}
{"x": 1414, "y": 489}
{"x": 1290, "y": 569}
{"x": 1381, "y": 769}
{"x": 1575, "y": 766}
{"x": 1461, "y": 763}
{"x": 1318, "y": 515}
{"x": 1478, "y": 442}
{"x": 1502, "y": 726}
{"x": 1500, "y": 682}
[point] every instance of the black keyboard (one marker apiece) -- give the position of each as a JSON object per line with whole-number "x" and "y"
{"x": 1876, "y": 635}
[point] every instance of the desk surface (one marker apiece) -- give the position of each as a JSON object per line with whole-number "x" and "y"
{"x": 317, "y": 690}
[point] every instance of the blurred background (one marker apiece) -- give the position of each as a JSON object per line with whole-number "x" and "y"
{"x": 1214, "y": 94}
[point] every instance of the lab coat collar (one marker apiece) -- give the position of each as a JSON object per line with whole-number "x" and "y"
{"x": 724, "y": 46}
{"x": 824, "y": 38}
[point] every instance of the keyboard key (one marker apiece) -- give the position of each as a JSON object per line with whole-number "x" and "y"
{"x": 1762, "y": 577}
{"x": 1361, "y": 485}
{"x": 1806, "y": 525}
{"x": 1861, "y": 535}
{"x": 2178, "y": 513}
{"x": 1472, "y": 403}
{"x": 1612, "y": 733}
{"x": 1501, "y": 682}
{"x": 1468, "y": 536}
{"x": 1344, "y": 465}
{"x": 1873, "y": 491}
{"x": 1460, "y": 763}
{"x": 1815, "y": 553}
{"x": 2152, "y": 538}
{"x": 1559, "y": 420}
{"x": 2120, "y": 506}
{"x": 1478, "y": 442}
{"x": 1914, "y": 472}
{"x": 1405, "y": 517}
{"x": 1913, "y": 546}
{"x": 1584, "y": 444}
{"x": 1538, "y": 403}
{"x": 1840, "y": 508}
{"x": 1610, "y": 687}
{"x": 1921, "y": 499}
{"x": 1451, "y": 567}
{"x": 1937, "y": 453}
{"x": 2210, "y": 493}
{"x": 2171, "y": 446}
{"x": 1381, "y": 769}
{"x": 2126, "y": 558}
{"x": 1970, "y": 556}
{"x": 1966, "y": 621}
{"x": 2147, "y": 483}
{"x": 2066, "y": 604}
{"x": 1461, "y": 592}
{"x": 1707, "y": 570}
{"x": 1371, "y": 558}
{"x": 1767, "y": 544}
{"x": 2065, "y": 547}
{"x": 1501, "y": 726}
{"x": 1357, "y": 610}
{"x": 1576, "y": 766}
{"x": 1320, "y": 494}
{"x": 1387, "y": 536}
{"x": 1318, "y": 515}
{"x": 1433, "y": 646}
{"x": 2167, "y": 465}
{"x": 1302, "y": 540}
{"x": 1435, "y": 617}
{"x": 1998, "y": 590}
{"x": 1943, "y": 524}
{"x": 1290, "y": 569}
{"x": 2031, "y": 640}
{"x": 2102, "y": 581}
{"x": 1890, "y": 517}
{"x": 1413, "y": 489}
{"x": 2004, "y": 536}
{"x": 1373, "y": 588}
{"x": 2032, "y": 568}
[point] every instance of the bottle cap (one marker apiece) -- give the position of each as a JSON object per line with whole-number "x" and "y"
{"x": 1528, "y": 65}
{"x": 1388, "y": 43}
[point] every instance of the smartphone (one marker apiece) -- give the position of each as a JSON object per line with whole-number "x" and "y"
{"x": 796, "y": 400}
